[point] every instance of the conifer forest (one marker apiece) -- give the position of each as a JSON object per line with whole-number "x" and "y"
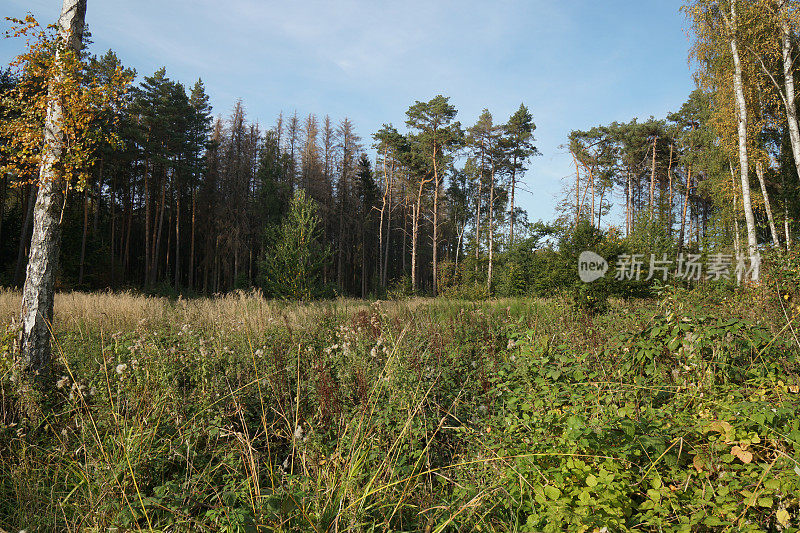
{"x": 560, "y": 291}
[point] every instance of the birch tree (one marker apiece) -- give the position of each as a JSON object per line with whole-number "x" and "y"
{"x": 62, "y": 120}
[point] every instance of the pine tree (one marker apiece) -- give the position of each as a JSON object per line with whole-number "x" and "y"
{"x": 437, "y": 135}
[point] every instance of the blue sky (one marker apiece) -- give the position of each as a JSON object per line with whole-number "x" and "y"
{"x": 574, "y": 63}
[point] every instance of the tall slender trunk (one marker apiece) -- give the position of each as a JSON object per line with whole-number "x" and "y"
{"x": 600, "y": 208}
{"x": 363, "y": 261}
{"x": 436, "y": 187}
{"x": 388, "y": 231}
{"x": 168, "y": 248}
{"x": 85, "y": 233}
{"x": 788, "y": 81}
{"x": 787, "y": 237}
{"x": 158, "y": 232}
{"x": 191, "y": 245}
{"x": 383, "y": 213}
{"x": 148, "y": 201}
{"x": 24, "y": 236}
{"x": 513, "y": 190}
{"x": 460, "y": 241}
{"x": 113, "y": 230}
{"x": 3, "y": 187}
{"x": 577, "y": 189}
{"x": 405, "y": 233}
{"x": 340, "y": 241}
{"x": 235, "y": 273}
{"x": 682, "y": 234}
{"x": 415, "y": 236}
{"x": 653, "y": 176}
{"x": 628, "y": 204}
{"x": 37, "y": 295}
{"x": 129, "y": 224}
{"x": 767, "y": 207}
{"x": 737, "y": 249}
{"x": 478, "y": 221}
{"x": 178, "y": 240}
{"x": 98, "y": 197}
{"x": 591, "y": 181}
{"x": 741, "y": 116}
{"x": 670, "y": 214}
{"x": 207, "y": 265}
{"x": 491, "y": 232}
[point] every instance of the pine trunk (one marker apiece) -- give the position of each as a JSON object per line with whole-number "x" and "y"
{"x": 129, "y": 224}
{"x": 380, "y": 222}
{"x": 682, "y": 233}
{"x": 148, "y": 201}
{"x": 113, "y": 231}
{"x": 388, "y": 233}
{"x": 591, "y": 181}
{"x": 98, "y": 197}
{"x": 513, "y": 189}
{"x": 653, "y": 176}
{"x": 436, "y": 186}
{"x": 491, "y": 233}
{"x": 3, "y": 186}
{"x": 158, "y": 232}
{"x": 405, "y": 235}
{"x": 577, "y": 190}
{"x": 191, "y": 245}
{"x": 670, "y": 214}
{"x": 478, "y": 222}
{"x": 415, "y": 237}
{"x": 178, "y": 241}
{"x": 85, "y": 234}
{"x": 628, "y": 205}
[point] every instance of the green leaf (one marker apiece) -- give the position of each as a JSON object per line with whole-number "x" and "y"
{"x": 765, "y": 502}
{"x": 552, "y": 492}
{"x": 591, "y": 480}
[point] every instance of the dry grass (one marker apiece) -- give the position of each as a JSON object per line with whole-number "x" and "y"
{"x": 121, "y": 311}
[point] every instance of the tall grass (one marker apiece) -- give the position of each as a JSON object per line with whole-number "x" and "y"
{"x": 242, "y": 414}
{"x": 219, "y": 413}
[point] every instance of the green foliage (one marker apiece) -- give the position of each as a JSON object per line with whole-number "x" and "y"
{"x": 518, "y": 415}
{"x": 460, "y": 283}
{"x": 400, "y": 288}
{"x": 687, "y": 425}
{"x": 294, "y": 257}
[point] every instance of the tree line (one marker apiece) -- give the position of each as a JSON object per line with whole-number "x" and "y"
{"x": 182, "y": 201}
{"x": 178, "y": 200}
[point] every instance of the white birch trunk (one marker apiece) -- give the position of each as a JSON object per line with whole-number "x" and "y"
{"x": 767, "y": 207}
{"x": 37, "y": 295}
{"x": 789, "y": 96}
{"x": 741, "y": 115}
{"x": 736, "y": 246}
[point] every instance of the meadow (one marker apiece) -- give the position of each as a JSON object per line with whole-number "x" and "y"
{"x": 673, "y": 413}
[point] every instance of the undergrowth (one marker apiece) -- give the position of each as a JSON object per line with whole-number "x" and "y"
{"x": 680, "y": 414}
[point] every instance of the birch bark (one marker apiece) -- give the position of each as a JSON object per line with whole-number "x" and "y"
{"x": 37, "y": 294}
{"x": 741, "y": 119}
